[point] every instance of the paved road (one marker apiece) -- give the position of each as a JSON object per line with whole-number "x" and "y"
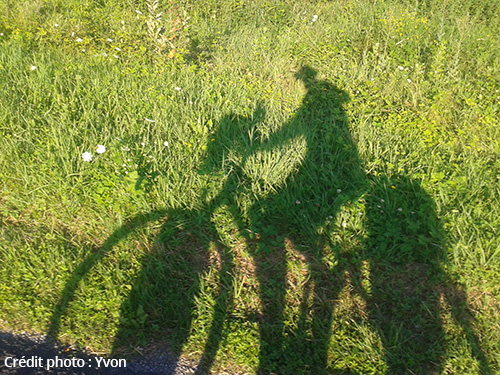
{"x": 43, "y": 356}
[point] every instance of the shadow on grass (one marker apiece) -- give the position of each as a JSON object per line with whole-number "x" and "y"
{"x": 397, "y": 269}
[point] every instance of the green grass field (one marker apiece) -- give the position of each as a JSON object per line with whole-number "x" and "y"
{"x": 286, "y": 187}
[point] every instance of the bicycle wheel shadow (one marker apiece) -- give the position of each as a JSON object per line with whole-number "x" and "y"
{"x": 184, "y": 247}
{"x": 161, "y": 301}
{"x": 410, "y": 293}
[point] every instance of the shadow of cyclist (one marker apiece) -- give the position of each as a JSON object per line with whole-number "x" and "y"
{"x": 290, "y": 202}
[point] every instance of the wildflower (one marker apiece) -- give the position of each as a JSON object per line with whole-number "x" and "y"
{"x": 382, "y": 201}
{"x": 110, "y": 40}
{"x": 339, "y": 191}
{"x": 378, "y": 206}
{"x": 165, "y": 143}
{"x": 190, "y": 102}
{"x": 56, "y": 25}
{"x": 315, "y": 17}
{"x": 400, "y": 209}
{"x": 122, "y": 22}
{"x": 116, "y": 57}
{"x": 118, "y": 49}
{"x": 87, "y": 156}
{"x": 401, "y": 68}
{"x": 143, "y": 144}
{"x": 79, "y": 40}
{"x": 297, "y": 202}
{"x": 100, "y": 149}
{"x": 33, "y": 67}
{"x": 409, "y": 80}
{"x": 344, "y": 225}
{"x": 73, "y": 34}
{"x": 177, "y": 88}
{"x": 138, "y": 11}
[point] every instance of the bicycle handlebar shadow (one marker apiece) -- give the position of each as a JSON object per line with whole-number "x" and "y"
{"x": 405, "y": 253}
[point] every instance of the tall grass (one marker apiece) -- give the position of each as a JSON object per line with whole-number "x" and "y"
{"x": 251, "y": 184}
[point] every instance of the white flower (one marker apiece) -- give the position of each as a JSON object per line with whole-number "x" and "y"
{"x": 87, "y": 156}
{"x": 33, "y": 67}
{"x": 165, "y": 143}
{"x": 138, "y": 11}
{"x": 382, "y": 201}
{"x": 118, "y": 49}
{"x": 143, "y": 144}
{"x": 79, "y": 40}
{"x": 122, "y": 22}
{"x": 110, "y": 40}
{"x": 177, "y": 88}
{"x": 400, "y": 209}
{"x": 315, "y": 17}
{"x": 116, "y": 57}
{"x": 339, "y": 191}
{"x": 73, "y": 34}
{"x": 100, "y": 149}
{"x": 409, "y": 80}
{"x": 297, "y": 202}
{"x": 344, "y": 225}
{"x": 56, "y": 25}
{"x": 401, "y": 68}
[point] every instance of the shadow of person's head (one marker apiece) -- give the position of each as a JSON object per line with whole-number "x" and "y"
{"x": 321, "y": 90}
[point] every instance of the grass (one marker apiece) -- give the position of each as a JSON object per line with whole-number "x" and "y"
{"x": 327, "y": 200}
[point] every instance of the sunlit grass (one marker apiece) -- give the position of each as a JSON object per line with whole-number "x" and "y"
{"x": 243, "y": 215}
